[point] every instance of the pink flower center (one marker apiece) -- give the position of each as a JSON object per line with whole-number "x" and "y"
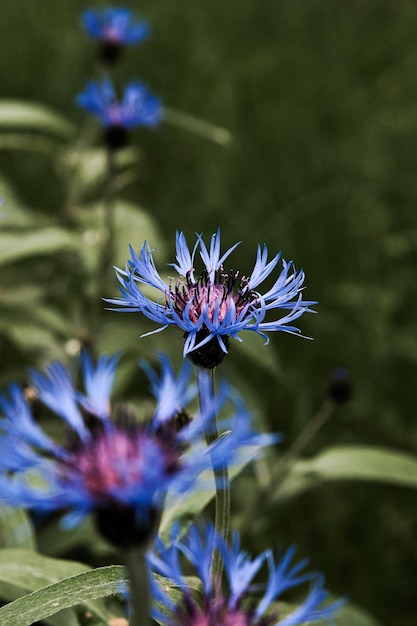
{"x": 111, "y": 34}
{"x": 115, "y": 114}
{"x": 213, "y": 298}
{"x": 215, "y": 613}
{"x": 118, "y": 460}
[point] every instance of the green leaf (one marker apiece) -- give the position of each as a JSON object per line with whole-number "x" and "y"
{"x": 48, "y": 579}
{"x": 352, "y": 615}
{"x": 30, "y": 142}
{"x": 15, "y": 529}
{"x": 84, "y": 588}
{"x": 15, "y": 247}
{"x": 132, "y": 225}
{"x": 359, "y": 463}
{"x": 20, "y": 115}
{"x": 89, "y": 165}
{"x": 348, "y": 615}
{"x": 199, "y": 127}
{"x": 29, "y": 570}
{"x": 13, "y": 212}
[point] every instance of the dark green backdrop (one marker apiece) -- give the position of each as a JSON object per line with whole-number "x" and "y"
{"x": 321, "y": 98}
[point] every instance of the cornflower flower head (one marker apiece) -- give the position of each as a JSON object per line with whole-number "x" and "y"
{"x": 111, "y": 464}
{"x": 240, "y": 604}
{"x": 214, "y": 305}
{"x": 114, "y": 28}
{"x": 137, "y": 108}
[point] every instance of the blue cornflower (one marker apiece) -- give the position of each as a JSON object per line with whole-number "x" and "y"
{"x": 214, "y": 305}
{"x": 137, "y": 108}
{"x": 240, "y": 604}
{"x": 114, "y": 28}
{"x": 112, "y": 464}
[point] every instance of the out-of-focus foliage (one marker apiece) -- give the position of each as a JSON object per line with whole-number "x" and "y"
{"x": 309, "y": 146}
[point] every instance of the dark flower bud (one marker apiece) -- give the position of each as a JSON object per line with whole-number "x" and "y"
{"x": 340, "y": 386}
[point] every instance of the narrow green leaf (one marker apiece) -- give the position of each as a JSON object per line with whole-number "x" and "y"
{"x": 17, "y": 114}
{"x": 199, "y": 127}
{"x": 29, "y": 570}
{"x": 15, "y": 529}
{"x": 84, "y": 588}
{"x": 15, "y": 247}
{"x": 359, "y": 463}
{"x": 67, "y": 617}
{"x": 14, "y": 212}
{"x": 30, "y": 142}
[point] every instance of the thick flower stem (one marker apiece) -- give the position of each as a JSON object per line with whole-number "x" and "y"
{"x": 221, "y": 476}
{"x": 138, "y": 587}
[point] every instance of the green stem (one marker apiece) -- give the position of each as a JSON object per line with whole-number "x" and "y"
{"x": 269, "y": 490}
{"x": 303, "y": 439}
{"x": 138, "y": 587}
{"x": 221, "y": 477}
{"x": 107, "y": 252}
{"x": 104, "y": 270}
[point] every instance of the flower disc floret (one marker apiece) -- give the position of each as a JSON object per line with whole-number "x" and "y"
{"x": 213, "y": 305}
{"x": 113, "y": 465}
{"x": 238, "y": 604}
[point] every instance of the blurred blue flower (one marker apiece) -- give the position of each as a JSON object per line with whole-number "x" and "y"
{"x": 114, "y": 26}
{"x": 111, "y": 463}
{"x": 240, "y": 604}
{"x": 214, "y": 305}
{"x": 137, "y": 108}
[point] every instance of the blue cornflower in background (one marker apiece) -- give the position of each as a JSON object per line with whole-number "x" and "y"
{"x": 240, "y": 604}
{"x": 114, "y": 28}
{"x": 138, "y": 107}
{"x": 112, "y": 465}
{"x": 214, "y": 305}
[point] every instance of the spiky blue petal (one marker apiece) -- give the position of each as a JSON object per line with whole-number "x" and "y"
{"x": 107, "y": 463}
{"x": 240, "y": 570}
{"x": 138, "y": 107}
{"x": 212, "y": 305}
{"x": 114, "y": 25}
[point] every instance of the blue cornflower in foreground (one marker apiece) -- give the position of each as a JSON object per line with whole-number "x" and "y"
{"x": 137, "y": 108}
{"x": 112, "y": 464}
{"x": 241, "y": 604}
{"x": 214, "y": 305}
{"x": 114, "y": 28}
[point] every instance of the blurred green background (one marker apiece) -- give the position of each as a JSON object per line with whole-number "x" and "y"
{"x": 320, "y": 97}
